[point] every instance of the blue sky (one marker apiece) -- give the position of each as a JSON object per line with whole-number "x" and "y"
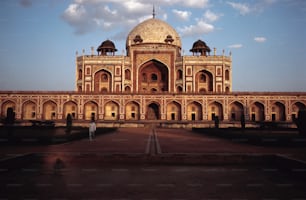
{"x": 39, "y": 38}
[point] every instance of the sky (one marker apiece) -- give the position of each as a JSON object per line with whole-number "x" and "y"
{"x": 39, "y": 38}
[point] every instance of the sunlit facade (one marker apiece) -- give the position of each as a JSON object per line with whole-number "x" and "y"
{"x": 153, "y": 81}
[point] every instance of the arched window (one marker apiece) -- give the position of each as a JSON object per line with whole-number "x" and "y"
{"x": 203, "y": 78}
{"x": 219, "y": 88}
{"x": 226, "y": 75}
{"x": 179, "y": 89}
{"x": 127, "y": 74}
{"x": 153, "y": 77}
{"x": 87, "y": 70}
{"x": 189, "y": 71}
{"x": 179, "y": 74}
{"x": 127, "y": 89}
{"x": 104, "y": 77}
{"x": 87, "y": 87}
{"x": 227, "y": 89}
{"x": 117, "y": 88}
{"x": 219, "y": 71}
{"x": 80, "y": 74}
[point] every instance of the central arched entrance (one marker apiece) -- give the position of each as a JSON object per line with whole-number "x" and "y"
{"x": 153, "y": 111}
{"x": 153, "y": 77}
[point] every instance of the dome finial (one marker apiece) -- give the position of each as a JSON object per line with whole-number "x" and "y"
{"x": 153, "y": 12}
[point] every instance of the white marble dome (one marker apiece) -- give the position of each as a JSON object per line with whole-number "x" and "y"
{"x": 153, "y": 31}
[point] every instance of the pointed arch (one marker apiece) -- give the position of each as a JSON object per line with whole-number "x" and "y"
{"x": 174, "y": 111}
{"x": 295, "y": 108}
{"x": 127, "y": 89}
{"x": 227, "y": 75}
{"x": 90, "y": 110}
{"x": 127, "y": 74}
{"x": 6, "y": 105}
{"x": 70, "y": 107}
{"x": 257, "y": 111}
{"x": 179, "y": 75}
{"x": 153, "y": 111}
{"x": 153, "y": 74}
{"x": 278, "y": 111}
{"x": 49, "y": 110}
{"x": 215, "y": 109}
{"x": 235, "y": 111}
{"x": 29, "y": 110}
{"x": 111, "y": 110}
{"x": 194, "y": 111}
{"x": 132, "y": 111}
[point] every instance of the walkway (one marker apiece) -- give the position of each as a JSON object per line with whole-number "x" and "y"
{"x": 154, "y": 141}
{"x": 77, "y": 170}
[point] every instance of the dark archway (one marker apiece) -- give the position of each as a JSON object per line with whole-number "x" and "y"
{"x": 257, "y": 112}
{"x": 153, "y": 74}
{"x": 153, "y": 111}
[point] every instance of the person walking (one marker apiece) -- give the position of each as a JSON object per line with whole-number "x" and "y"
{"x": 92, "y": 129}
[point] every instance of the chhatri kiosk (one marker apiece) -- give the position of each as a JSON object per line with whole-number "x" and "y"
{"x": 153, "y": 82}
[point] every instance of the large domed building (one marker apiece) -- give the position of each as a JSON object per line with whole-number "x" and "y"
{"x": 154, "y": 81}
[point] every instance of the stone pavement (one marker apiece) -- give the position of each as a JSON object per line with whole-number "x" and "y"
{"x": 151, "y": 140}
{"x": 152, "y": 163}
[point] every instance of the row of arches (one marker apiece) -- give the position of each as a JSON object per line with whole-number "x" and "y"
{"x": 173, "y": 110}
{"x": 153, "y": 76}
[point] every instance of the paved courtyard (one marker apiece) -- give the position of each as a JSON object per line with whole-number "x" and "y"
{"x": 152, "y": 163}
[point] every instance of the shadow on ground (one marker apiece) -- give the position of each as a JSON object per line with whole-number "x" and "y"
{"x": 278, "y": 137}
{"x": 36, "y": 135}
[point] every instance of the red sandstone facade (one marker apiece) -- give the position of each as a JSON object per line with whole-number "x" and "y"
{"x": 153, "y": 82}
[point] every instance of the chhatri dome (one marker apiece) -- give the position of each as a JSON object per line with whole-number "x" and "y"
{"x": 153, "y": 31}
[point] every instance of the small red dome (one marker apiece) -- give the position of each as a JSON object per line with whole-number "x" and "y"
{"x": 106, "y": 47}
{"x": 199, "y": 46}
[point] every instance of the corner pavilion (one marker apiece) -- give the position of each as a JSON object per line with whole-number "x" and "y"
{"x": 153, "y": 82}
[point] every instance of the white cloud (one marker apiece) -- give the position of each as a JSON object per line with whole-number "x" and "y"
{"x": 241, "y": 7}
{"x": 201, "y": 27}
{"x": 87, "y": 15}
{"x": 235, "y": 46}
{"x": 257, "y": 7}
{"x": 75, "y": 11}
{"x": 196, "y": 3}
{"x": 211, "y": 16}
{"x": 136, "y": 6}
{"x": 184, "y": 15}
{"x": 260, "y": 39}
{"x": 113, "y": 15}
{"x": 188, "y": 3}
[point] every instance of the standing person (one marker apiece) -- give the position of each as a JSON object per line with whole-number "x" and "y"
{"x": 92, "y": 129}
